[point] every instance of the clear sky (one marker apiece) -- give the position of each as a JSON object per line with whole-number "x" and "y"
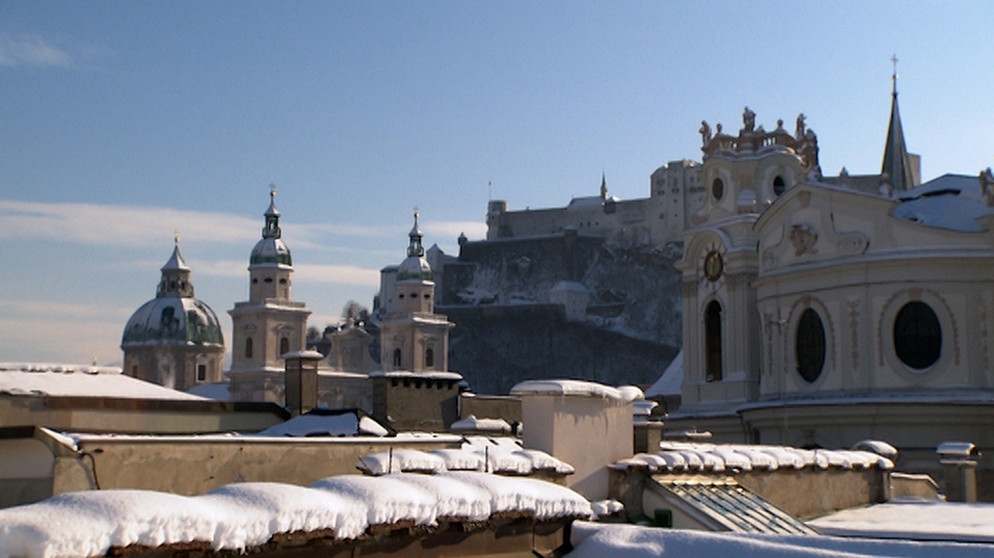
{"x": 122, "y": 122}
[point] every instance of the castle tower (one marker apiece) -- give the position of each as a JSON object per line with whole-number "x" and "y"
{"x": 270, "y": 323}
{"x": 174, "y": 339}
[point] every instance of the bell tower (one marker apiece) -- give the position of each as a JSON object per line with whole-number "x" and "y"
{"x": 269, "y": 324}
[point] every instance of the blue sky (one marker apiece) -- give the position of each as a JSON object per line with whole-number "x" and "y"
{"x": 122, "y": 122}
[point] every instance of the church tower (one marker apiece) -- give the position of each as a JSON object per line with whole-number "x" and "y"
{"x": 270, "y": 323}
{"x": 174, "y": 339}
{"x": 903, "y": 169}
{"x": 412, "y": 337}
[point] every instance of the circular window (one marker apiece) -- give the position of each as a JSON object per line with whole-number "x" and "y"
{"x": 917, "y": 335}
{"x": 810, "y": 345}
{"x": 717, "y": 188}
{"x": 779, "y": 186}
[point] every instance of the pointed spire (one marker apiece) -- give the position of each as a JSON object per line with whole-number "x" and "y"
{"x": 175, "y": 279}
{"x": 175, "y": 262}
{"x": 603, "y": 186}
{"x": 415, "y": 249}
{"x": 272, "y": 228}
{"x": 896, "y": 164}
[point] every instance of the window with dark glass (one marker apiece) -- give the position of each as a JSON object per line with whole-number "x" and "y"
{"x": 917, "y": 335}
{"x": 712, "y": 342}
{"x": 717, "y": 188}
{"x": 201, "y": 372}
{"x": 396, "y": 358}
{"x": 810, "y": 345}
{"x": 284, "y": 345}
{"x": 778, "y": 186}
{"x": 248, "y": 347}
{"x": 429, "y": 358}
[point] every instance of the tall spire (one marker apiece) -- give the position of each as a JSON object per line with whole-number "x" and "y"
{"x": 896, "y": 161}
{"x": 415, "y": 248}
{"x": 272, "y": 228}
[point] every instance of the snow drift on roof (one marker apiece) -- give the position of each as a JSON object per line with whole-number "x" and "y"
{"x": 81, "y": 381}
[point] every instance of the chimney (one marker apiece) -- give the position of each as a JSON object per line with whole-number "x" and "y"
{"x": 959, "y": 463}
{"x": 301, "y": 380}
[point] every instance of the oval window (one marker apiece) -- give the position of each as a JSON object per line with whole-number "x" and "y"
{"x": 810, "y": 345}
{"x": 917, "y": 335}
{"x": 717, "y": 188}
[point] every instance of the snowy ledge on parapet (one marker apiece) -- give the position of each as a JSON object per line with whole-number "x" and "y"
{"x": 401, "y": 374}
{"x": 579, "y": 388}
{"x": 246, "y": 516}
{"x": 677, "y": 457}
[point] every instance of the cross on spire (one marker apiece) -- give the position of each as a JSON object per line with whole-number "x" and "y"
{"x": 893, "y": 76}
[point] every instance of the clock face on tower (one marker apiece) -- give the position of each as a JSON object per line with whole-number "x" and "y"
{"x": 714, "y": 265}
{"x": 711, "y": 266}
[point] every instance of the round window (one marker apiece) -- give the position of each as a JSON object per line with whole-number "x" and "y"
{"x": 810, "y": 345}
{"x": 717, "y": 188}
{"x": 917, "y": 335}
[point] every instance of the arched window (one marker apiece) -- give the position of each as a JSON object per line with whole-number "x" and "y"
{"x": 712, "y": 342}
{"x": 717, "y": 189}
{"x": 917, "y": 335}
{"x": 248, "y": 347}
{"x": 429, "y": 358}
{"x": 809, "y": 345}
{"x": 778, "y": 185}
{"x": 396, "y": 358}
{"x": 284, "y": 346}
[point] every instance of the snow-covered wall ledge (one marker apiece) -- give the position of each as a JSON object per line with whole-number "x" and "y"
{"x": 336, "y": 512}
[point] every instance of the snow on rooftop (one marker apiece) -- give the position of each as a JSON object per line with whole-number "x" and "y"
{"x": 61, "y": 380}
{"x": 950, "y": 202}
{"x": 473, "y": 424}
{"x": 243, "y": 515}
{"x": 913, "y": 519}
{"x": 580, "y": 388}
{"x": 423, "y": 375}
{"x": 716, "y": 458}
{"x": 670, "y": 380}
{"x": 597, "y": 540}
{"x": 476, "y": 454}
{"x": 322, "y": 424}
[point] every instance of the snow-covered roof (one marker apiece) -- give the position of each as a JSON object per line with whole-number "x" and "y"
{"x": 670, "y": 380}
{"x": 245, "y": 515}
{"x": 347, "y": 423}
{"x": 60, "y": 380}
{"x": 729, "y": 458}
{"x": 501, "y": 456}
{"x": 473, "y": 424}
{"x": 596, "y": 540}
{"x": 428, "y": 375}
{"x": 576, "y": 388}
{"x": 950, "y": 201}
{"x": 913, "y": 519}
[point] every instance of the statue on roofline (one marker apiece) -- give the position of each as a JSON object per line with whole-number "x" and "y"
{"x": 705, "y": 133}
{"x": 748, "y": 120}
{"x": 987, "y": 186}
{"x": 799, "y": 131}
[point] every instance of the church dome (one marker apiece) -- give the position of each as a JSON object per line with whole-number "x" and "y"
{"x": 174, "y": 316}
{"x": 271, "y": 251}
{"x": 173, "y": 320}
{"x": 414, "y": 267}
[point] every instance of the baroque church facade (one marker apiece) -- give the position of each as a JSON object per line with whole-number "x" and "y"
{"x": 820, "y": 311}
